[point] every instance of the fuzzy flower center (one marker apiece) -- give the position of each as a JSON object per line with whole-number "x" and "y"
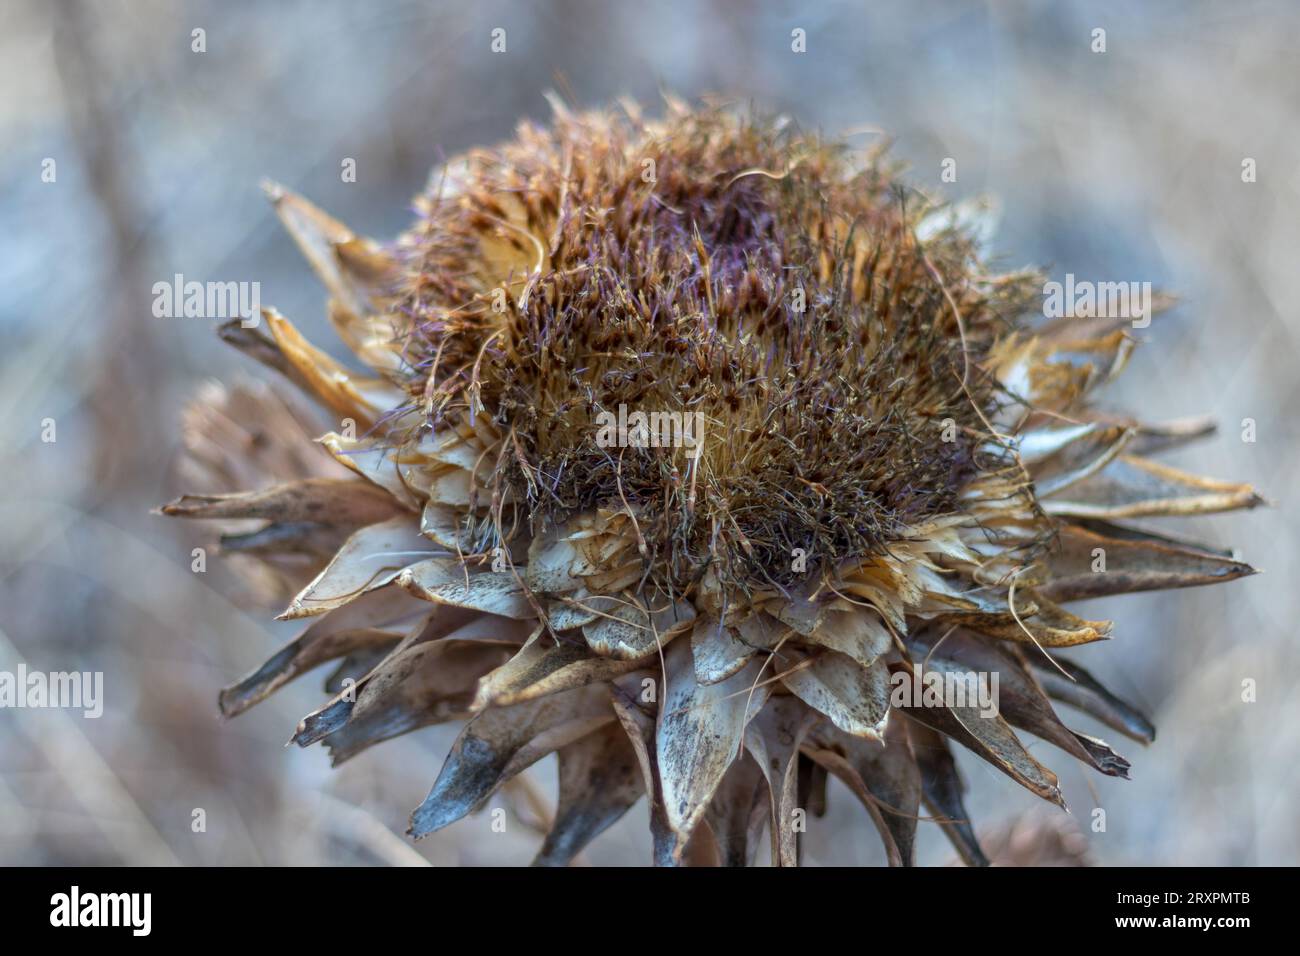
{"x": 720, "y": 326}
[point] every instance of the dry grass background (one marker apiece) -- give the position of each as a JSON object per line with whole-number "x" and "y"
{"x": 1123, "y": 165}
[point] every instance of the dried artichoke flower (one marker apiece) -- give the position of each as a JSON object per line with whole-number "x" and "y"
{"x": 686, "y": 444}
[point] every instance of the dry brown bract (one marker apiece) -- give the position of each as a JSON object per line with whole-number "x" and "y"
{"x": 895, "y": 468}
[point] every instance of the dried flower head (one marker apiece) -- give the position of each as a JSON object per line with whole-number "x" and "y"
{"x": 691, "y": 448}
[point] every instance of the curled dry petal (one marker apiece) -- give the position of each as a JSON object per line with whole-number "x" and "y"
{"x": 773, "y": 739}
{"x": 1129, "y": 560}
{"x": 1019, "y": 698}
{"x": 943, "y": 790}
{"x": 438, "y": 689}
{"x": 1133, "y": 488}
{"x": 1084, "y": 692}
{"x": 320, "y": 500}
{"x": 991, "y": 738}
{"x": 699, "y": 734}
{"x": 623, "y": 629}
{"x": 855, "y": 698}
{"x": 544, "y": 667}
{"x": 600, "y": 780}
{"x": 500, "y": 743}
{"x": 448, "y": 581}
{"x": 371, "y": 558}
{"x": 718, "y": 650}
{"x": 298, "y": 657}
{"x": 736, "y": 813}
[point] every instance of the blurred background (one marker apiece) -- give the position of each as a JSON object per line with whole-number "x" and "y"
{"x": 1122, "y": 165}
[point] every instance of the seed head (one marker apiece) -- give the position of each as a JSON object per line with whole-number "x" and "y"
{"x": 693, "y": 449}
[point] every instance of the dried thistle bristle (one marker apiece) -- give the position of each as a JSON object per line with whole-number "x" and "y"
{"x": 899, "y": 472}
{"x": 716, "y": 265}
